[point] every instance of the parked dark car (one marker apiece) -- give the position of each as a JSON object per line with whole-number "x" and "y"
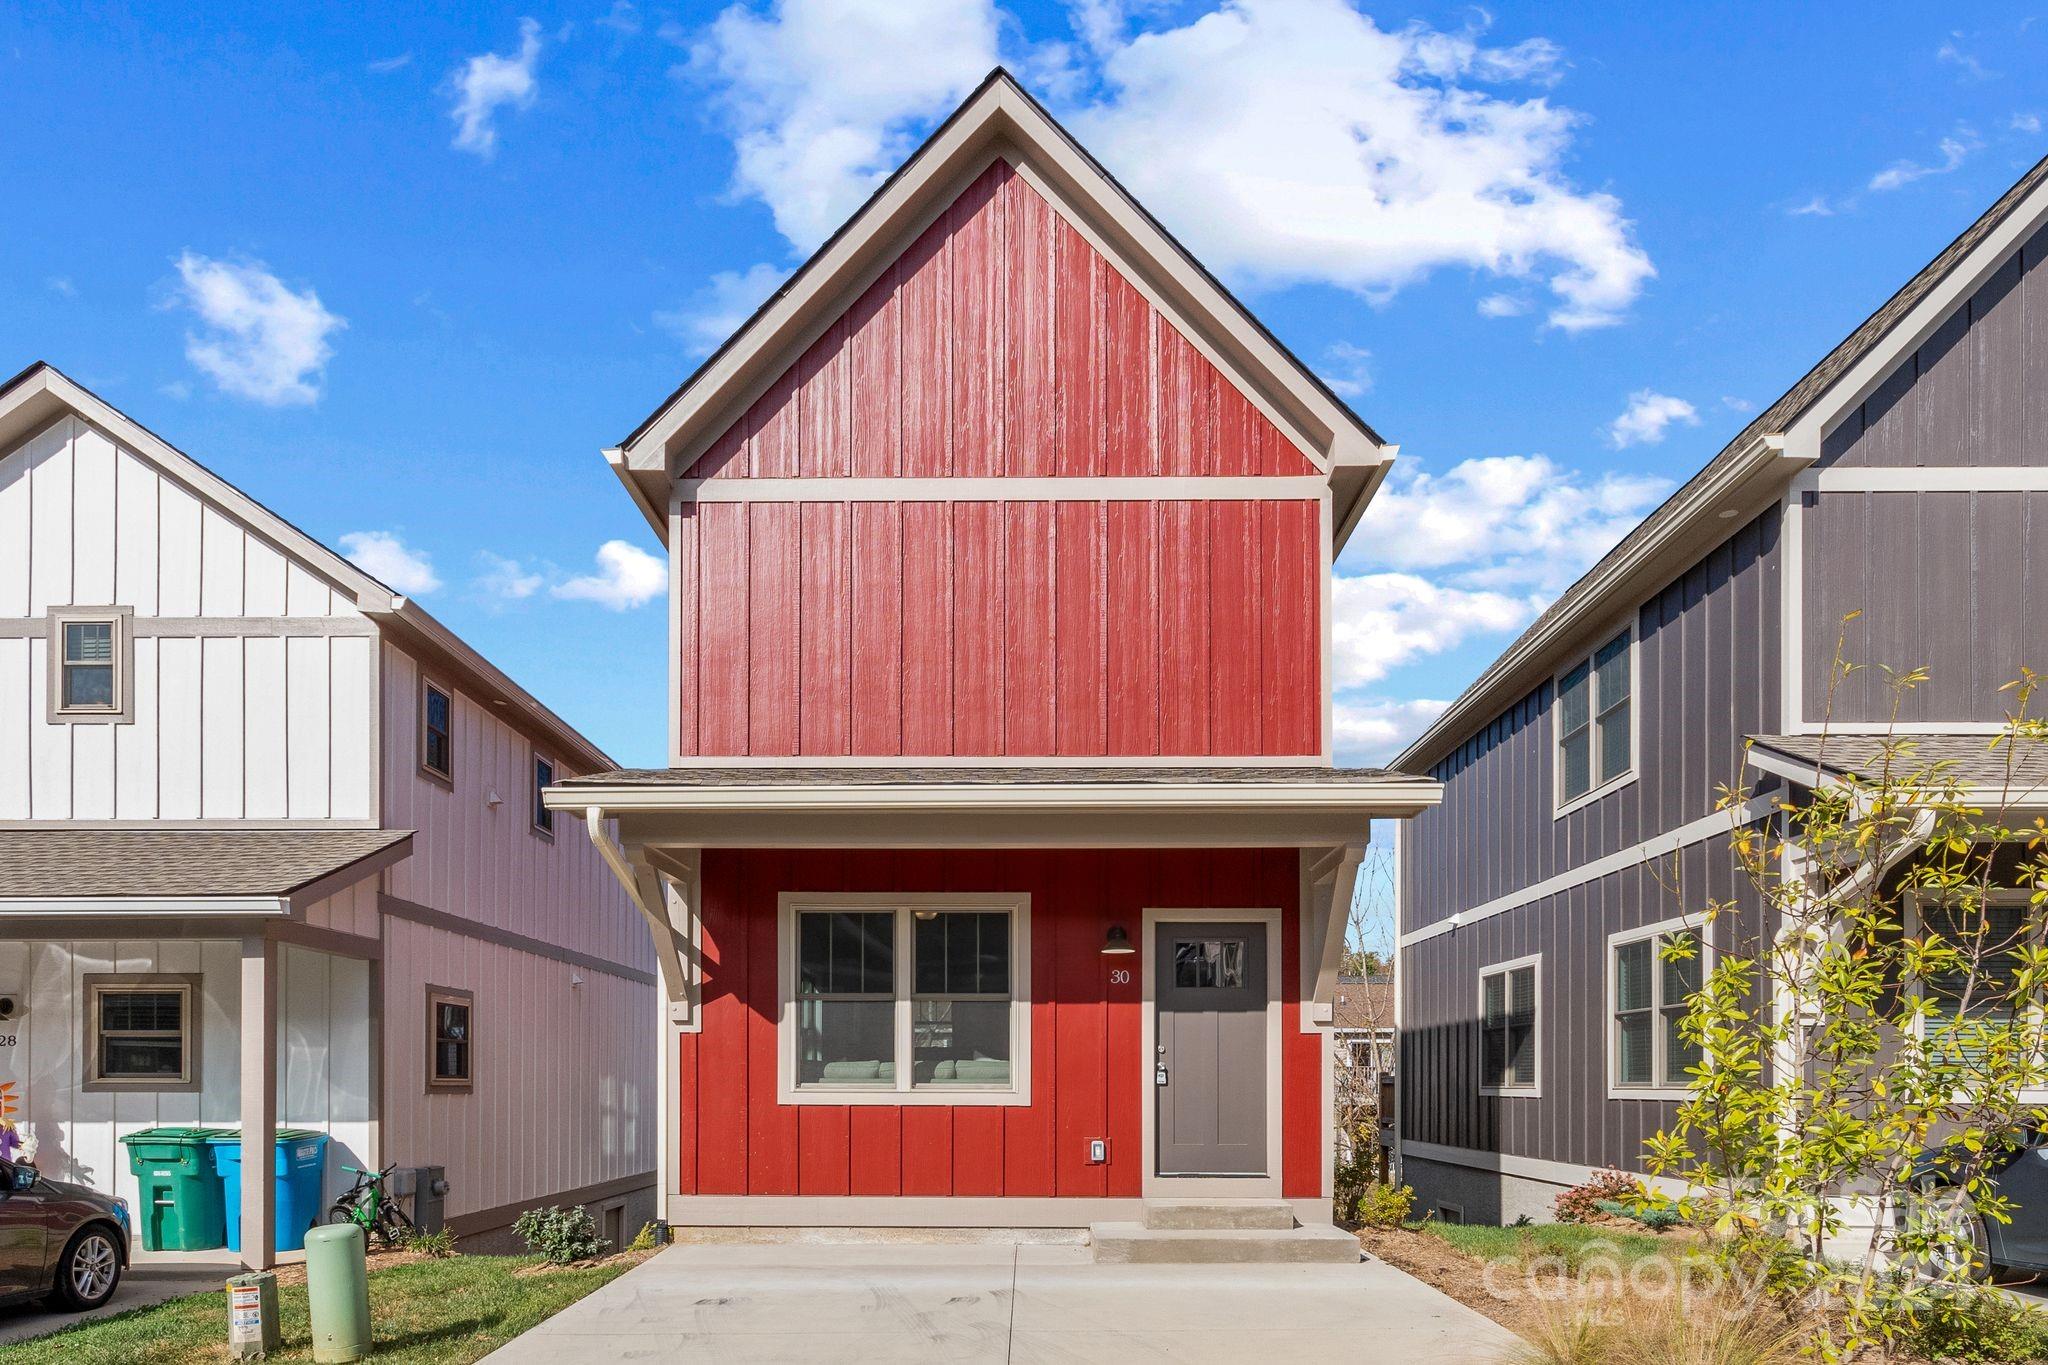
{"x": 59, "y": 1241}
{"x": 2020, "y": 1178}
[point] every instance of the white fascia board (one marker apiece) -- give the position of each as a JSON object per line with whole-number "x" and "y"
{"x": 65, "y": 907}
{"x": 1803, "y": 438}
{"x": 649, "y": 506}
{"x": 1390, "y": 799}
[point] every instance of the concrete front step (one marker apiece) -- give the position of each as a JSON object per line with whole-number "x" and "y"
{"x": 1136, "y": 1244}
{"x": 1268, "y": 1214}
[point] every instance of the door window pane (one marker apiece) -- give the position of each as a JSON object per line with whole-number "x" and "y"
{"x": 1201, "y": 964}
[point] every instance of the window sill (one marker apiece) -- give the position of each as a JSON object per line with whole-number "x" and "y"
{"x": 1518, "y": 1092}
{"x": 1648, "y": 1092}
{"x": 438, "y": 779}
{"x": 962, "y": 1097}
{"x": 1587, "y": 798}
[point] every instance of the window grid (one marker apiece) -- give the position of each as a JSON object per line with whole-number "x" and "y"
{"x": 437, "y": 731}
{"x": 451, "y": 1039}
{"x": 1508, "y": 1028}
{"x": 141, "y": 1034}
{"x": 1648, "y": 1004}
{"x": 1595, "y": 720}
{"x": 543, "y": 778}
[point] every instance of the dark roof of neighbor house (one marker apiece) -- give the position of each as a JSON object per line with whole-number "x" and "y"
{"x": 1364, "y": 1003}
{"x": 817, "y": 776}
{"x": 197, "y": 863}
{"x": 1454, "y": 724}
{"x": 1973, "y": 760}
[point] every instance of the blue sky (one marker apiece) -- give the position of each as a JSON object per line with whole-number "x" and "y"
{"x": 401, "y": 276}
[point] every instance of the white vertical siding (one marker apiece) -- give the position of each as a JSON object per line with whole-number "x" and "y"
{"x": 563, "y": 1093}
{"x": 225, "y": 727}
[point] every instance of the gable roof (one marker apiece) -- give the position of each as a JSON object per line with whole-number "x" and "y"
{"x": 999, "y": 119}
{"x": 41, "y": 393}
{"x": 1749, "y": 472}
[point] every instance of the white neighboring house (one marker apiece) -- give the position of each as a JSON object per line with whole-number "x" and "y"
{"x": 255, "y": 800}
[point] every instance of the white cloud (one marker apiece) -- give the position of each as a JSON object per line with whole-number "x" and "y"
{"x": 507, "y": 579}
{"x": 386, "y": 558}
{"x": 62, "y": 286}
{"x": 1505, "y": 520}
{"x": 627, "y": 577}
{"x": 1954, "y": 150}
{"x": 1373, "y": 729}
{"x": 824, "y": 97}
{"x": 726, "y": 301}
{"x": 1380, "y": 621}
{"x": 1288, "y": 141}
{"x": 1647, "y": 417}
{"x": 1502, "y": 306}
{"x": 623, "y": 19}
{"x": 386, "y": 65}
{"x": 489, "y": 81}
{"x": 1735, "y": 404}
{"x": 1294, "y": 141}
{"x": 1815, "y": 207}
{"x": 1347, "y": 369}
{"x": 262, "y": 340}
{"x": 1952, "y": 53}
{"x": 2025, "y": 123}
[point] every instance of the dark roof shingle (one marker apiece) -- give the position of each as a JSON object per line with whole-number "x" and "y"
{"x": 1970, "y": 759}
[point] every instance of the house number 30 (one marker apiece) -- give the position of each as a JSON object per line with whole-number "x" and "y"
{"x": 1121, "y": 976}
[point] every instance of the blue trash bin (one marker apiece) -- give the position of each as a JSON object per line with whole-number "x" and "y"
{"x": 300, "y": 1170}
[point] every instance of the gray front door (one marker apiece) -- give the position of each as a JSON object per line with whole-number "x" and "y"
{"x": 1209, "y": 1077}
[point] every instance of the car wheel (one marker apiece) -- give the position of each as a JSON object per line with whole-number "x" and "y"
{"x": 89, "y": 1270}
{"x": 1946, "y": 1207}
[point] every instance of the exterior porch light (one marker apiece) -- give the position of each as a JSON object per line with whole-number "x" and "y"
{"x": 1117, "y": 942}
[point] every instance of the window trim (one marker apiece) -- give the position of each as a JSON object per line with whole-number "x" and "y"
{"x": 1533, "y": 1090}
{"x": 1911, "y": 920}
{"x": 439, "y": 995}
{"x": 122, "y": 712}
{"x": 427, "y": 684}
{"x": 905, "y": 905}
{"x": 536, "y": 811}
{"x": 96, "y": 986}
{"x": 1657, "y": 1090}
{"x": 1560, "y": 804}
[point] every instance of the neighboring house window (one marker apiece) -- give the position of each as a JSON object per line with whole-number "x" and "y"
{"x": 140, "y": 1032}
{"x": 450, "y": 1016}
{"x": 1964, "y": 1003}
{"x": 437, "y": 731}
{"x": 907, "y": 999}
{"x": 1507, "y": 1028}
{"x": 1595, "y": 725}
{"x": 543, "y": 778}
{"x": 90, "y": 664}
{"x": 1647, "y": 1000}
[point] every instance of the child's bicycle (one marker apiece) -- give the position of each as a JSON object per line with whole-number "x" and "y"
{"x": 370, "y": 1207}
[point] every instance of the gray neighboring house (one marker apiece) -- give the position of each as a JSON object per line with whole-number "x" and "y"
{"x": 1906, "y": 477}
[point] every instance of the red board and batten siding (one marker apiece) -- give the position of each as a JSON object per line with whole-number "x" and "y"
{"x": 1000, "y": 345}
{"x": 1088, "y": 1078}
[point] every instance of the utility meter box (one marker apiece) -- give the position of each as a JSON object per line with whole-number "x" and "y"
{"x": 427, "y": 1187}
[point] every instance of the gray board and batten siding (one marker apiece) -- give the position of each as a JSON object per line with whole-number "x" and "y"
{"x": 1941, "y": 576}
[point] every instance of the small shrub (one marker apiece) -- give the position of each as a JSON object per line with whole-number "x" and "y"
{"x": 1581, "y": 1203}
{"x": 1381, "y": 1205}
{"x": 1656, "y": 1217}
{"x": 1666, "y": 1331}
{"x": 561, "y": 1235}
{"x": 1362, "y": 1168}
{"x": 1977, "y": 1326}
{"x": 435, "y": 1244}
{"x": 643, "y": 1240}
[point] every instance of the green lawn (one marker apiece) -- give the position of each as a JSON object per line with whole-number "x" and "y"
{"x": 454, "y": 1310}
{"x": 1569, "y": 1242}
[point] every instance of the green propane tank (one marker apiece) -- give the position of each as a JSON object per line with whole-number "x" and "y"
{"x": 338, "y": 1292}
{"x": 252, "y": 1316}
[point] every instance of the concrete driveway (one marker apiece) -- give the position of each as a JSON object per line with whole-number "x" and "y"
{"x": 1000, "y": 1302}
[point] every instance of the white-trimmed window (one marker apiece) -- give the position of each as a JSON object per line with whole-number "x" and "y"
{"x": 905, "y": 999}
{"x": 141, "y": 1033}
{"x": 1647, "y": 995}
{"x": 543, "y": 778}
{"x": 1595, "y": 722}
{"x": 1959, "y": 1004}
{"x": 451, "y": 1016}
{"x": 91, "y": 660}
{"x": 437, "y": 731}
{"x": 1508, "y": 1007}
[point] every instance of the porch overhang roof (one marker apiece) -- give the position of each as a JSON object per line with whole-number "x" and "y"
{"x": 232, "y": 873}
{"x": 1986, "y": 769}
{"x": 1020, "y": 806}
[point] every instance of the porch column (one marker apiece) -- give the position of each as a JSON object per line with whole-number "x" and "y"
{"x": 259, "y": 1102}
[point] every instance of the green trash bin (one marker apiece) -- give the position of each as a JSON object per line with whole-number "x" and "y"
{"x": 180, "y": 1205}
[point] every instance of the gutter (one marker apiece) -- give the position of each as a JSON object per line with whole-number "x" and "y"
{"x": 1390, "y": 800}
{"x": 261, "y": 907}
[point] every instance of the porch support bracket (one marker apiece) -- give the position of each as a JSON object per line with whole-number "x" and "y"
{"x": 645, "y": 888}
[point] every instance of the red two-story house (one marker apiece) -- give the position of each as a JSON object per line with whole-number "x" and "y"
{"x": 1001, "y": 869}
